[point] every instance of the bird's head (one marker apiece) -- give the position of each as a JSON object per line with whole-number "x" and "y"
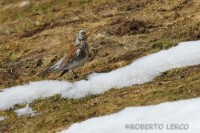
{"x": 81, "y": 36}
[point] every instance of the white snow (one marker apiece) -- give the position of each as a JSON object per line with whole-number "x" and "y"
{"x": 140, "y": 71}
{"x": 25, "y": 111}
{"x": 2, "y": 118}
{"x": 27, "y": 93}
{"x": 185, "y": 114}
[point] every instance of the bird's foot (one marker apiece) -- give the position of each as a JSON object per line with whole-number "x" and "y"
{"x": 74, "y": 75}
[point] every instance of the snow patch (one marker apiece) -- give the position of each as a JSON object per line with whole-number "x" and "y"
{"x": 25, "y": 111}
{"x": 140, "y": 71}
{"x": 182, "y": 113}
{"x": 2, "y": 118}
{"x": 27, "y": 93}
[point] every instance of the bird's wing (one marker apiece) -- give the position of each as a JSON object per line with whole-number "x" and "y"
{"x": 73, "y": 52}
{"x": 55, "y": 67}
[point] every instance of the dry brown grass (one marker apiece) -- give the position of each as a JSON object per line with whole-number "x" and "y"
{"x": 33, "y": 38}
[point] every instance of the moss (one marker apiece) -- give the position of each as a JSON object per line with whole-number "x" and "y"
{"x": 81, "y": 2}
{"x": 163, "y": 44}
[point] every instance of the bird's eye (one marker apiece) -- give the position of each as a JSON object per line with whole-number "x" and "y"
{"x": 83, "y": 33}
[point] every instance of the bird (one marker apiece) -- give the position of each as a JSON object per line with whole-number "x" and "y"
{"x": 75, "y": 58}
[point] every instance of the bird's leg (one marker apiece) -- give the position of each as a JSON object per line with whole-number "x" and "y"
{"x": 74, "y": 75}
{"x": 63, "y": 73}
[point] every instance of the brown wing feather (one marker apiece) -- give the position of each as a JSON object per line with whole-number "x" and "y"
{"x": 68, "y": 56}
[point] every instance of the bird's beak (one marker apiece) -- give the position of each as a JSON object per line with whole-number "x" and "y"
{"x": 87, "y": 34}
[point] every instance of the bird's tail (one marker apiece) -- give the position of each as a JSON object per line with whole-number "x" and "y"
{"x": 46, "y": 71}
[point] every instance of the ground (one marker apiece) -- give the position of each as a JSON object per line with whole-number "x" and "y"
{"x": 35, "y": 35}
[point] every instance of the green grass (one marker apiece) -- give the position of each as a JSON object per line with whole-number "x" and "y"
{"x": 163, "y": 44}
